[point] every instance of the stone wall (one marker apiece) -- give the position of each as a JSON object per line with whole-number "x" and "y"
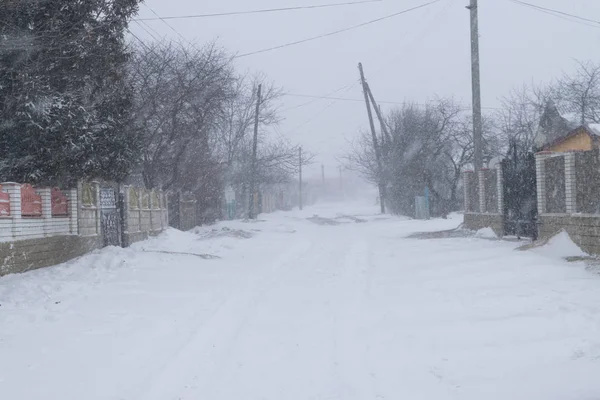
{"x": 583, "y": 230}
{"x": 25, "y": 255}
{"x": 476, "y": 221}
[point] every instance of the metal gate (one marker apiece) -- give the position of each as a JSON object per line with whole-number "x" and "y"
{"x": 520, "y": 194}
{"x": 110, "y": 217}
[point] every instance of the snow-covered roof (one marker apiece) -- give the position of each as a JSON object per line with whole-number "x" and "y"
{"x": 594, "y": 129}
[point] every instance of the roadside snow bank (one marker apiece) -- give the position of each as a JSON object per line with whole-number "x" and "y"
{"x": 560, "y": 246}
{"x": 486, "y": 233}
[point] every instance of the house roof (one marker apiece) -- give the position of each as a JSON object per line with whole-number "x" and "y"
{"x": 553, "y": 126}
{"x": 591, "y": 129}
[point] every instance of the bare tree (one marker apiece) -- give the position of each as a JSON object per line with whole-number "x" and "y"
{"x": 428, "y": 148}
{"x": 519, "y": 117}
{"x": 579, "y": 92}
{"x": 180, "y": 94}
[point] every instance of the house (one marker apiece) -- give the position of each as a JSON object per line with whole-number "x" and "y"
{"x": 583, "y": 138}
{"x": 558, "y": 134}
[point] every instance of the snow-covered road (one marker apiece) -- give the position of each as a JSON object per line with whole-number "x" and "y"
{"x": 304, "y": 308}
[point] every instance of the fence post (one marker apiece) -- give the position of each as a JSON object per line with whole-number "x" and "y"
{"x": 73, "y": 211}
{"x": 540, "y": 172}
{"x": 467, "y": 180}
{"x": 570, "y": 183}
{"x": 14, "y": 191}
{"x": 46, "y": 195}
{"x": 500, "y": 182}
{"x": 481, "y": 180}
{"x": 96, "y": 186}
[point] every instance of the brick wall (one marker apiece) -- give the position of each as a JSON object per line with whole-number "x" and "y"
{"x": 484, "y": 200}
{"x": 568, "y": 194}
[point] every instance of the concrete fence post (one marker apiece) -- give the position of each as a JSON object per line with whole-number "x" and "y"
{"x": 14, "y": 191}
{"x": 98, "y": 213}
{"x": 73, "y": 211}
{"x": 46, "y": 195}
{"x": 126, "y": 207}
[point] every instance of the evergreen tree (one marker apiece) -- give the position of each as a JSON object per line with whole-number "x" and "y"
{"x": 65, "y": 103}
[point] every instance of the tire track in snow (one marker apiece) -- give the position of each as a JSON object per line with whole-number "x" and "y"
{"x": 196, "y": 356}
{"x": 355, "y": 379}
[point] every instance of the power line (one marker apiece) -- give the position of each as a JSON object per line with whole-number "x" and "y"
{"x": 560, "y": 14}
{"x": 268, "y": 10}
{"x": 166, "y": 23}
{"x": 338, "y": 31}
{"x": 317, "y": 98}
{"x": 362, "y": 100}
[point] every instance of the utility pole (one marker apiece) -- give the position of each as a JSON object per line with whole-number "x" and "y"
{"x": 385, "y": 135}
{"x": 375, "y": 144}
{"x": 323, "y": 174}
{"x": 476, "y": 87}
{"x": 300, "y": 178}
{"x": 251, "y": 210}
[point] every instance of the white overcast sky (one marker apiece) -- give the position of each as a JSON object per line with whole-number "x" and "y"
{"x": 413, "y": 57}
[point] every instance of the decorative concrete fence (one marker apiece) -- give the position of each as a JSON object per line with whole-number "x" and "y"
{"x": 33, "y": 213}
{"x": 45, "y": 226}
{"x": 569, "y": 196}
{"x": 484, "y": 202}
{"x": 145, "y": 213}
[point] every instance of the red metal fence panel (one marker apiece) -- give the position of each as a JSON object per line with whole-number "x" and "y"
{"x": 60, "y": 203}
{"x": 4, "y": 203}
{"x": 31, "y": 202}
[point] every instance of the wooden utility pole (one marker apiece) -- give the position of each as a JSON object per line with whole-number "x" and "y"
{"x": 300, "y": 178}
{"x": 254, "y": 178}
{"x": 375, "y": 144}
{"x": 476, "y": 87}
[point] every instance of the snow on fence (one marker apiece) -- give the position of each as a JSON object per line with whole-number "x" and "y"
{"x": 29, "y": 213}
{"x": 569, "y": 196}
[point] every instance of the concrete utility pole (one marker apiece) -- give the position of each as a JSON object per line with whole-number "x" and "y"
{"x": 375, "y": 144}
{"x": 251, "y": 210}
{"x": 300, "y": 178}
{"x": 476, "y": 87}
{"x": 384, "y": 132}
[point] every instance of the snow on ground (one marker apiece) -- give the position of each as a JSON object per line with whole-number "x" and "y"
{"x": 486, "y": 233}
{"x": 560, "y": 246}
{"x": 328, "y": 303}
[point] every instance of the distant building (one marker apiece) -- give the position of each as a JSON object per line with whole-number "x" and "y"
{"x": 582, "y": 138}
{"x": 558, "y": 134}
